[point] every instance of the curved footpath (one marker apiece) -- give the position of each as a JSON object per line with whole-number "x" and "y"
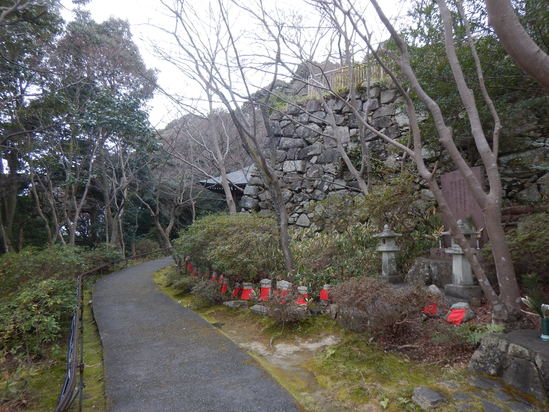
{"x": 160, "y": 356}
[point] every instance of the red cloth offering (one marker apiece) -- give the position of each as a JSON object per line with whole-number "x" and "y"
{"x": 236, "y": 292}
{"x": 224, "y": 287}
{"x": 302, "y": 299}
{"x": 430, "y": 309}
{"x": 324, "y": 295}
{"x": 264, "y": 294}
{"x": 246, "y": 294}
{"x": 191, "y": 269}
{"x": 456, "y": 316}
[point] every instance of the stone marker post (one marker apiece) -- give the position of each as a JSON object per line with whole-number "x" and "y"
{"x": 463, "y": 282}
{"x": 388, "y": 249}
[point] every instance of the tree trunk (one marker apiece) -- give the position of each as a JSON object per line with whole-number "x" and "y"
{"x": 517, "y": 42}
{"x": 164, "y": 237}
{"x": 227, "y": 190}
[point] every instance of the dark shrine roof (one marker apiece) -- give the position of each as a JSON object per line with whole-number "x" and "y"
{"x": 237, "y": 178}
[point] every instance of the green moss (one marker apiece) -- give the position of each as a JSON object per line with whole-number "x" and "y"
{"x": 359, "y": 372}
{"x": 94, "y": 392}
{"x": 42, "y": 380}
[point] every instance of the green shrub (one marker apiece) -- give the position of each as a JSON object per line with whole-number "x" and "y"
{"x": 144, "y": 246}
{"x": 466, "y": 335}
{"x": 37, "y": 316}
{"x": 352, "y": 220}
{"x": 243, "y": 246}
{"x": 101, "y": 254}
{"x": 32, "y": 264}
{"x": 331, "y": 257}
{"x": 184, "y": 284}
{"x": 528, "y": 244}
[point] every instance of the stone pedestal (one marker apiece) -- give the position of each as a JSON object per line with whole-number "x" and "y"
{"x": 463, "y": 283}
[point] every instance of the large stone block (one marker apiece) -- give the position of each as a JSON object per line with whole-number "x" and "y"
{"x": 543, "y": 183}
{"x": 523, "y": 375}
{"x": 387, "y": 110}
{"x": 289, "y": 129}
{"x": 314, "y": 171}
{"x": 387, "y": 96}
{"x": 520, "y": 357}
{"x": 529, "y": 195}
{"x": 288, "y": 143}
{"x": 382, "y": 122}
{"x": 248, "y": 203}
{"x": 318, "y": 117}
{"x": 370, "y": 105}
{"x": 312, "y": 150}
{"x": 328, "y": 156}
{"x": 251, "y": 190}
{"x": 294, "y": 166}
{"x": 303, "y": 220}
{"x": 313, "y": 105}
{"x": 427, "y": 271}
{"x": 427, "y": 398}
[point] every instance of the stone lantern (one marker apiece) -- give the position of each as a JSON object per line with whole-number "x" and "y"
{"x": 463, "y": 282}
{"x": 388, "y": 249}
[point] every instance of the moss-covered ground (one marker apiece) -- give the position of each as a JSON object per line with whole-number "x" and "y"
{"x": 349, "y": 375}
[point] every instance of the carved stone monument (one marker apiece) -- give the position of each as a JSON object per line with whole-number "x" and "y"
{"x": 463, "y": 282}
{"x": 388, "y": 249}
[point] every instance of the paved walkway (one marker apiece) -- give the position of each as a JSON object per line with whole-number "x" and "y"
{"x": 160, "y": 356}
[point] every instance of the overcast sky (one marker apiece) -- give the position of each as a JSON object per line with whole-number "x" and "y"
{"x": 145, "y": 16}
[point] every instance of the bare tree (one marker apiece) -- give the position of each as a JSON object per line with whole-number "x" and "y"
{"x": 213, "y": 143}
{"x": 168, "y": 191}
{"x": 505, "y": 305}
{"x": 215, "y": 59}
{"x": 300, "y": 47}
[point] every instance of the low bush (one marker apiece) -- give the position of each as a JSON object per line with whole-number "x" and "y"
{"x": 528, "y": 244}
{"x": 244, "y": 246}
{"x": 466, "y": 335}
{"x": 370, "y": 304}
{"x": 331, "y": 257}
{"x": 184, "y": 284}
{"x": 350, "y": 221}
{"x": 32, "y": 264}
{"x": 208, "y": 292}
{"x": 145, "y": 245}
{"x": 36, "y": 317}
{"x": 100, "y": 255}
{"x": 284, "y": 309}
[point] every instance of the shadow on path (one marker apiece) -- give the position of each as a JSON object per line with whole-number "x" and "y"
{"x": 160, "y": 356}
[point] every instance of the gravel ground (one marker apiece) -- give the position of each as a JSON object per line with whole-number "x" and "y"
{"x": 160, "y": 356}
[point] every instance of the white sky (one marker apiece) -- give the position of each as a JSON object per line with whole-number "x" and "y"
{"x": 144, "y": 15}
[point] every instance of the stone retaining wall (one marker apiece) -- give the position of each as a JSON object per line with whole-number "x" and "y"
{"x": 519, "y": 357}
{"x": 311, "y": 167}
{"x": 306, "y": 155}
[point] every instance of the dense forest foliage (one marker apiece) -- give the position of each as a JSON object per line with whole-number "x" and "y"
{"x": 80, "y": 164}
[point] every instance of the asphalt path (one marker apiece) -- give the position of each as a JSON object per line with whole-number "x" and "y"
{"x": 160, "y": 356}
